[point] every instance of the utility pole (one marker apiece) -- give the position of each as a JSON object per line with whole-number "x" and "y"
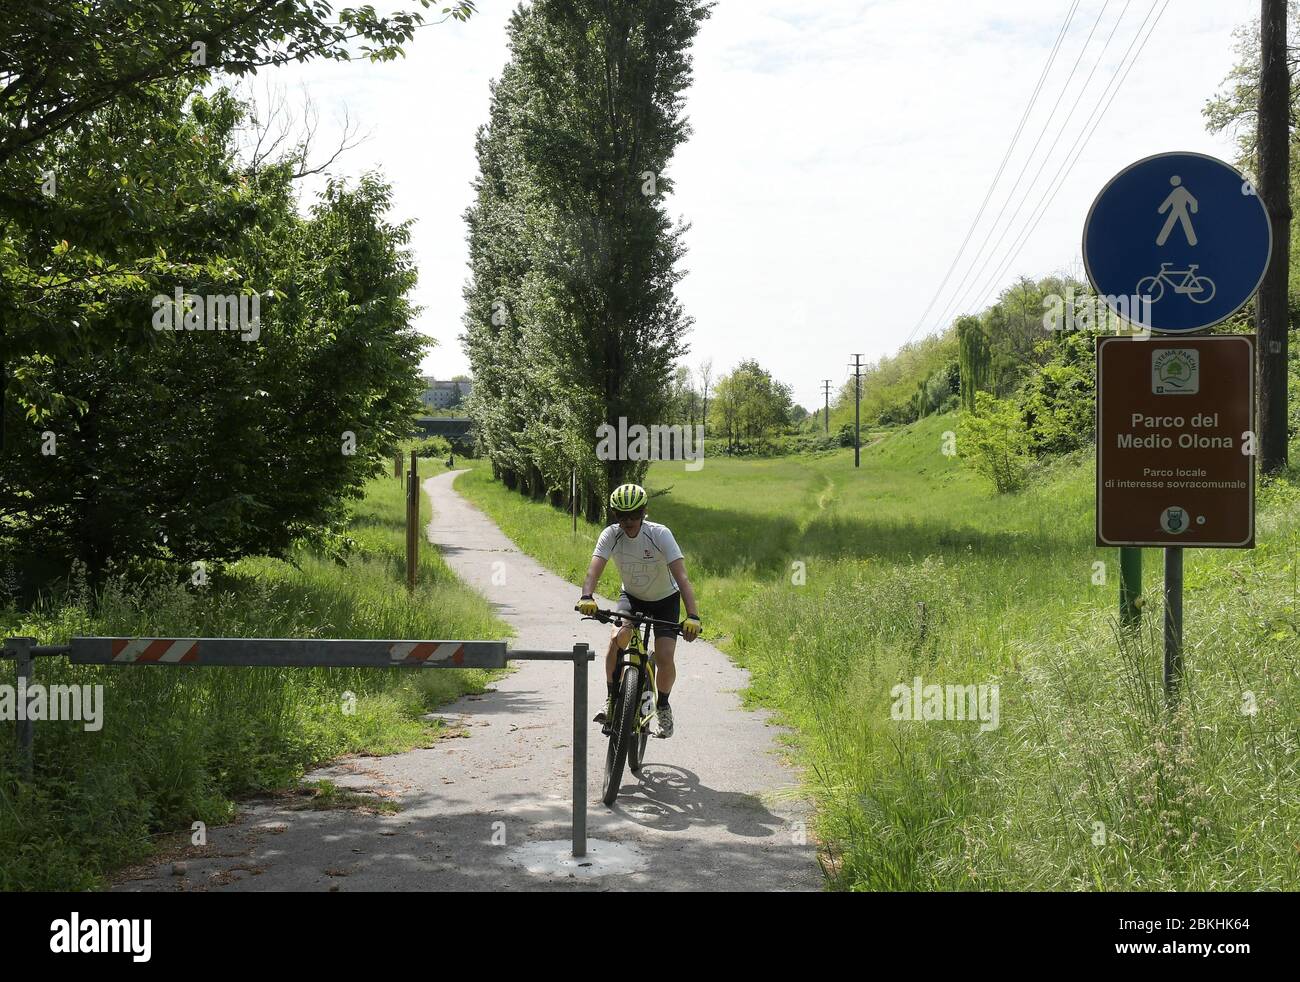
{"x": 1273, "y": 140}
{"x": 857, "y": 402}
{"x": 826, "y": 388}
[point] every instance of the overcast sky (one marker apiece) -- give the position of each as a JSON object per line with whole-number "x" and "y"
{"x": 840, "y": 152}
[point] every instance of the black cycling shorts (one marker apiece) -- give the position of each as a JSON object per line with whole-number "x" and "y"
{"x": 667, "y": 609}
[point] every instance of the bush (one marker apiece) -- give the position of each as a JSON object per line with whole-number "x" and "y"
{"x": 812, "y": 442}
{"x": 1058, "y": 402}
{"x": 994, "y": 442}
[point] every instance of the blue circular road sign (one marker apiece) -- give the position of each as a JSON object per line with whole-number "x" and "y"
{"x": 1177, "y": 242}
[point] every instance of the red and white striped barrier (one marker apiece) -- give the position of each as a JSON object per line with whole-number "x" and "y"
{"x": 427, "y": 653}
{"x": 170, "y": 651}
{"x": 289, "y": 652}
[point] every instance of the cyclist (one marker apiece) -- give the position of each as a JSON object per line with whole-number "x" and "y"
{"x": 654, "y": 583}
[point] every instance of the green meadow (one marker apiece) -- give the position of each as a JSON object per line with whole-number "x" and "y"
{"x": 833, "y": 585}
{"x": 180, "y": 745}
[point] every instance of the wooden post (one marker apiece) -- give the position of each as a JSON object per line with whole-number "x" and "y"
{"x": 1274, "y": 190}
{"x": 412, "y": 522}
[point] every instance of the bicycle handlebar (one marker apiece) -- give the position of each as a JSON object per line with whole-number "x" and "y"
{"x": 605, "y": 616}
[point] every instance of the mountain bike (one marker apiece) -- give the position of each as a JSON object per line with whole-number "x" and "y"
{"x": 634, "y": 705}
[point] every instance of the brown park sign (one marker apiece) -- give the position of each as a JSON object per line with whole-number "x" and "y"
{"x": 1175, "y": 441}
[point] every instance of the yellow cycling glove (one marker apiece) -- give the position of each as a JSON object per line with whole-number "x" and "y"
{"x": 691, "y": 628}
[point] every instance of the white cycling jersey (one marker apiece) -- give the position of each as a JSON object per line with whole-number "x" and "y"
{"x": 642, "y": 561}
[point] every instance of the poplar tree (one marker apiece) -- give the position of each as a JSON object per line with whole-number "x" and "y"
{"x": 570, "y": 237}
{"x": 974, "y": 358}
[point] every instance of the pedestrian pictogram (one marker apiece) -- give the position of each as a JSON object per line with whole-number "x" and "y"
{"x": 1179, "y": 202}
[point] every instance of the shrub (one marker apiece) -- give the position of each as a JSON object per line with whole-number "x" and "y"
{"x": 994, "y": 442}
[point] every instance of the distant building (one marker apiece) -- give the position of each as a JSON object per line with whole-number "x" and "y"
{"x": 444, "y": 395}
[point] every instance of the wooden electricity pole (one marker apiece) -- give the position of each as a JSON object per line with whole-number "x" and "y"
{"x": 826, "y": 388}
{"x": 857, "y": 402}
{"x": 1273, "y": 140}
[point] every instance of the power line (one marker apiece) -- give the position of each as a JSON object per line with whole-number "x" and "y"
{"x": 1055, "y": 143}
{"x": 1095, "y": 117}
{"x": 958, "y": 294}
{"x": 1060, "y": 36}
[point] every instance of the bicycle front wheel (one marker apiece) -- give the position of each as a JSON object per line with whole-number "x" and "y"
{"x": 636, "y": 749}
{"x": 620, "y": 740}
{"x": 1152, "y": 286}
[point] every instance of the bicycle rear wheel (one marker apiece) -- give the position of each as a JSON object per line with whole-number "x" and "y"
{"x": 620, "y": 740}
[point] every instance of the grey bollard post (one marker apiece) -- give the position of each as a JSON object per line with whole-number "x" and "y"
{"x": 580, "y": 658}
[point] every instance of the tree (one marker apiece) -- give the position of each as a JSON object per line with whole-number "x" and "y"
{"x": 751, "y": 403}
{"x": 706, "y": 378}
{"x": 62, "y": 63}
{"x": 79, "y": 77}
{"x": 975, "y": 360}
{"x": 1260, "y": 108}
{"x": 188, "y": 445}
{"x": 572, "y": 320}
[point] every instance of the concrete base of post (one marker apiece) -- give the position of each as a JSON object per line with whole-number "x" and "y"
{"x": 555, "y": 857}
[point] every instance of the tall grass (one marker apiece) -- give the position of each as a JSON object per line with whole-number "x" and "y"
{"x": 178, "y": 745}
{"x": 832, "y": 585}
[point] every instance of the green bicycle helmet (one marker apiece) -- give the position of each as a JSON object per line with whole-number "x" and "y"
{"x": 628, "y": 497}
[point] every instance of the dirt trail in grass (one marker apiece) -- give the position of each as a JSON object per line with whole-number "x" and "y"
{"x": 712, "y": 809}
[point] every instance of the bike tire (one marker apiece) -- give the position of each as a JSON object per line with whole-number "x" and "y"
{"x": 1155, "y": 288}
{"x": 1206, "y": 292}
{"x": 636, "y": 751}
{"x": 620, "y": 740}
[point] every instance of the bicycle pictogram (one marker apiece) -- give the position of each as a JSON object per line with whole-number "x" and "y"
{"x": 1198, "y": 289}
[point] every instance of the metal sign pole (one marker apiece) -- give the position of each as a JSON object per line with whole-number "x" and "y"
{"x": 1130, "y": 586}
{"x": 1173, "y": 622}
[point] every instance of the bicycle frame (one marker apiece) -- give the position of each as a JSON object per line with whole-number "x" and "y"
{"x": 1169, "y": 275}
{"x": 637, "y": 653}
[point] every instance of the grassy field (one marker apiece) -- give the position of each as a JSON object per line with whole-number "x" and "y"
{"x": 833, "y": 585}
{"x": 179, "y": 745}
